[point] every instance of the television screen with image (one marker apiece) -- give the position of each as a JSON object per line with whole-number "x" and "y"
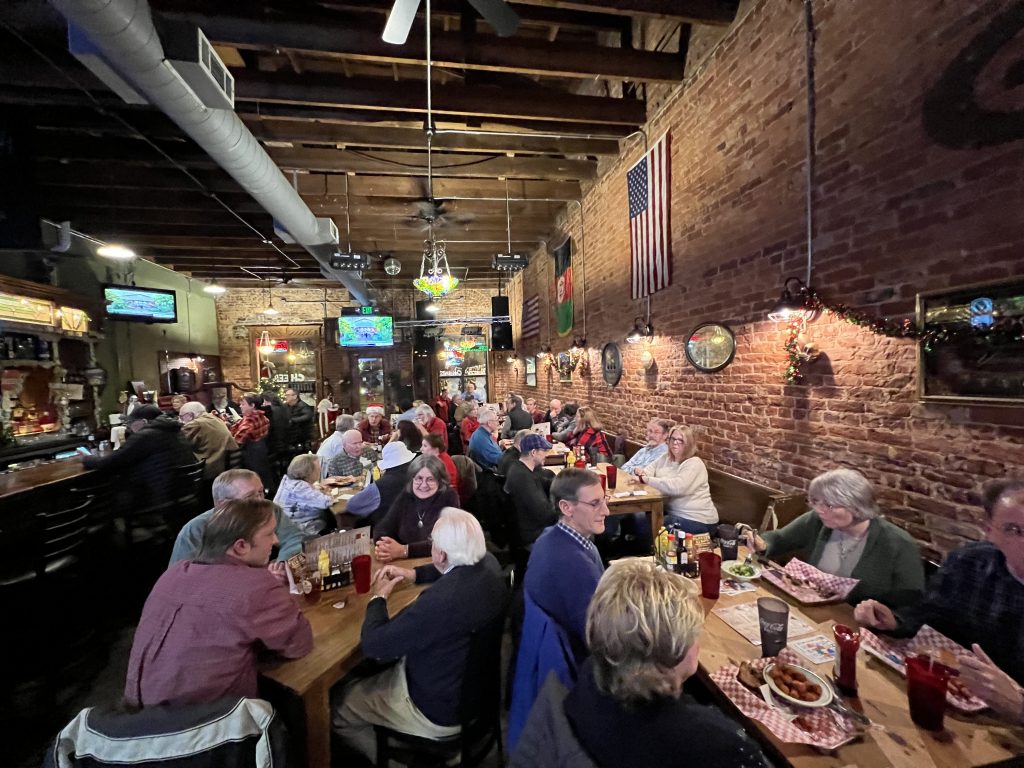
{"x": 366, "y": 330}
{"x": 146, "y": 305}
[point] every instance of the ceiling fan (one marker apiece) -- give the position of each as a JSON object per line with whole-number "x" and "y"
{"x": 497, "y": 13}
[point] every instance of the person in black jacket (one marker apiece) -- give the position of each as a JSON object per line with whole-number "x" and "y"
{"x": 627, "y": 707}
{"x": 430, "y": 639}
{"x": 145, "y": 465}
{"x": 528, "y": 483}
{"x": 516, "y": 417}
{"x": 300, "y": 422}
{"x": 277, "y": 413}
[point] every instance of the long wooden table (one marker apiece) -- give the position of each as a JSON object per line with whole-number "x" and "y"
{"x": 894, "y": 740}
{"x": 308, "y": 681}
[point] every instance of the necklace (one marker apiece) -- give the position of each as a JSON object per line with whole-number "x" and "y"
{"x": 844, "y": 551}
{"x": 419, "y": 518}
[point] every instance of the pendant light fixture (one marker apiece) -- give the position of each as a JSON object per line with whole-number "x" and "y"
{"x": 270, "y": 304}
{"x": 214, "y": 288}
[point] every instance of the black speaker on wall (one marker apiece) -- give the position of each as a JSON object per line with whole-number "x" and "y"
{"x": 501, "y": 333}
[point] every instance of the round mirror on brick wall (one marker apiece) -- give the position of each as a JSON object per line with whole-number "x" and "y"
{"x": 710, "y": 347}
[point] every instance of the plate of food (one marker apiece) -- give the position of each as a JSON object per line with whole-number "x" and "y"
{"x": 798, "y": 685}
{"x": 737, "y": 569}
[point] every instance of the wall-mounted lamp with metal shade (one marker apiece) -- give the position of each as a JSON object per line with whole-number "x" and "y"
{"x": 641, "y": 331}
{"x": 793, "y": 304}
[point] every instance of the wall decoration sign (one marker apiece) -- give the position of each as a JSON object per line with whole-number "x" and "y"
{"x": 975, "y": 344}
{"x": 710, "y": 347}
{"x": 22, "y": 309}
{"x": 564, "y": 365}
{"x": 531, "y": 370}
{"x": 611, "y": 364}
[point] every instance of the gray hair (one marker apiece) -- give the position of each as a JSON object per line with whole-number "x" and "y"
{"x": 458, "y": 534}
{"x": 436, "y": 468}
{"x": 425, "y": 410}
{"x": 224, "y": 484}
{"x": 641, "y": 623}
{"x": 487, "y": 414}
{"x": 345, "y": 422}
{"x": 845, "y": 488}
{"x": 193, "y": 408}
{"x": 666, "y": 425}
{"x": 996, "y": 491}
{"x": 518, "y": 438}
{"x": 358, "y": 416}
{"x": 304, "y": 466}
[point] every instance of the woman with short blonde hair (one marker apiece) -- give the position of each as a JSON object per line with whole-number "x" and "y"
{"x": 300, "y": 497}
{"x": 682, "y": 477}
{"x": 628, "y": 705}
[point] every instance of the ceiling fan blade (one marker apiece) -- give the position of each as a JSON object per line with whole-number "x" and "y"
{"x": 400, "y": 19}
{"x": 499, "y": 15}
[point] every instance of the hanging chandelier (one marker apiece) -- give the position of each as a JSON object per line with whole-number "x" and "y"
{"x": 435, "y": 279}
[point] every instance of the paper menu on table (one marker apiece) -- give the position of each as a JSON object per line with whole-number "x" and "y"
{"x": 743, "y": 618}
{"x": 817, "y": 649}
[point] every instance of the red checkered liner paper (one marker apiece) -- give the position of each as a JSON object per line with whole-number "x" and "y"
{"x": 827, "y": 588}
{"x": 893, "y": 653}
{"x": 820, "y": 729}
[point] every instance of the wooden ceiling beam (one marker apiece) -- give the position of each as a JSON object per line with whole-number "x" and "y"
{"x": 477, "y": 101}
{"x": 296, "y": 131}
{"x": 353, "y": 38}
{"x": 444, "y": 164}
{"x": 710, "y": 12}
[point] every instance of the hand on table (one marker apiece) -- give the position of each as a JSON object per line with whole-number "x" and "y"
{"x": 640, "y": 475}
{"x": 990, "y": 684}
{"x": 383, "y": 584}
{"x": 387, "y": 549}
{"x": 391, "y": 571}
{"x": 871, "y": 613}
{"x": 277, "y": 571}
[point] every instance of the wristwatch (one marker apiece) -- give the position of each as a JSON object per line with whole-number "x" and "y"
{"x": 377, "y": 597}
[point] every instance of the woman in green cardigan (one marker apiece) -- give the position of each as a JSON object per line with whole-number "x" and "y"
{"x": 844, "y": 535}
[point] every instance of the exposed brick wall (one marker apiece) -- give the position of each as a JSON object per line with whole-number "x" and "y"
{"x": 897, "y": 213}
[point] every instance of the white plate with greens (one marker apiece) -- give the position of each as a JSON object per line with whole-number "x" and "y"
{"x": 737, "y": 569}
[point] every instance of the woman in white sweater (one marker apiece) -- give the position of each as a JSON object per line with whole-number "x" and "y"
{"x": 683, "y": 479}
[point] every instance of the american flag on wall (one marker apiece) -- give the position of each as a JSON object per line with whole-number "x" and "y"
{"x": 531, "y": 317}
{"x": 649, "y": 184}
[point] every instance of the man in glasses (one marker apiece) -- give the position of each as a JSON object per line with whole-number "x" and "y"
{"x": 561, "y": 576}
{"x": 977, "y": 599}
{"x": 238, "y": 484}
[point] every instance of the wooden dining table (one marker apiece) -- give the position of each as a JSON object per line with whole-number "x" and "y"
{"x": 893, "y": 739}
{"x": 301, "y": 688}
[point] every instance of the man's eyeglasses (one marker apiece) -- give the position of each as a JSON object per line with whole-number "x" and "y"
{"x": 595, "y": 504}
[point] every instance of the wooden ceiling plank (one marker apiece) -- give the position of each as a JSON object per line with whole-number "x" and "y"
{"x": 328, "y": 34}
{"x": 415, "y": 138}
{"x": 710, "y": 12}
{"x": 478, "y": 101}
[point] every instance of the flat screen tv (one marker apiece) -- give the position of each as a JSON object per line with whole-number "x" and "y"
{"x": 366, "y": 330}
{"x": 144, "y": 305}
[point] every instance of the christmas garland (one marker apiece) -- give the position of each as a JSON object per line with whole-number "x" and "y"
{"x": 1005, "y": 330}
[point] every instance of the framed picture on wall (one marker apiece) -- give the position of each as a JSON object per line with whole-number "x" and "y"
{"x": 531, "y": 370}
{"x": 564, "y": 367}
{"x": 974, "y": 352}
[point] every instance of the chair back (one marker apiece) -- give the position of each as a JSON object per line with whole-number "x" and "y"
{"x": 480, "y": 699}
{"x": 188, "y": 494}
{"x": 232, "y": 458}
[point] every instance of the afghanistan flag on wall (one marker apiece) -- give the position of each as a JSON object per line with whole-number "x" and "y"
{"x": 563, "y": 287}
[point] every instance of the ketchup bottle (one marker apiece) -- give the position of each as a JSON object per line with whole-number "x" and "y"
{"x": 845, "y": 672}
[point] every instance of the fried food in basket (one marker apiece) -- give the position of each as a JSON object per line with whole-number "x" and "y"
{"x": 748, "y": 677}
{"x": 794, "y": 683}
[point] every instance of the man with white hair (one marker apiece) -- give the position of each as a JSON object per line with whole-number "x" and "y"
{"x": 331, "y": 446}
{"x": 353, "y": 459}
{"x": 209, "y": 436}
{"x": 427, "y": 423}
{"x": 483, "y": 446}
{"x": 431, "y": 639}
{"x": 373, "y": 428}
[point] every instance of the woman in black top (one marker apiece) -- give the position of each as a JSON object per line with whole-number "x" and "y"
{"x": 405, "y": 531}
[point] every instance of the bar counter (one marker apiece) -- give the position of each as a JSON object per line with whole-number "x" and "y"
{"x": 40, "y": 476}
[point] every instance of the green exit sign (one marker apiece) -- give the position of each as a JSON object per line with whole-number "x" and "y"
{"x": 366, "y": 310}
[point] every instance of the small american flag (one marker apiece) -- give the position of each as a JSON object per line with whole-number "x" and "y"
{"x": 531, "y": 317}
{"x": 649, "y": 184}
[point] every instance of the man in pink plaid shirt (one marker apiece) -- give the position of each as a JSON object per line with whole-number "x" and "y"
{"x": 207, "y": 618}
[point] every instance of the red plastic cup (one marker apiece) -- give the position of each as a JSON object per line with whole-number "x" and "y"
{"x": 550, "y": 439}
{"x": 845, "y": 673}
{"x": 926, "y": 691}
{"x": 361, "y": 573}
{"x": 710, "y": 574}
{"x": 604, "y": 483}
{"x": 581, "y": 464}
{"x": 613, "y": 475}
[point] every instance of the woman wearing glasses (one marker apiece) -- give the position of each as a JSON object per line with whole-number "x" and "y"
{"x": 405, "y": 530}
{"x": 844, "y": 535}
{"x": 682, "y": 477}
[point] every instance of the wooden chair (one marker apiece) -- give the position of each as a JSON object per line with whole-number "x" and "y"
{"x": 479, "y": 708}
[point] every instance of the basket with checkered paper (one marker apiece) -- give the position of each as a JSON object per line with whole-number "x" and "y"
{"x": 807, "y": 584}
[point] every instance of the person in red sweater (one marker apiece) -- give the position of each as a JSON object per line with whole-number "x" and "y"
{"x": 469, "y": 425}
{"x": 433, "y": 446}
{"x": 429, "y": 424}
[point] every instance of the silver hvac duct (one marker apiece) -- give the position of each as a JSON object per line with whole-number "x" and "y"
{"x": 123, "y": 32}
